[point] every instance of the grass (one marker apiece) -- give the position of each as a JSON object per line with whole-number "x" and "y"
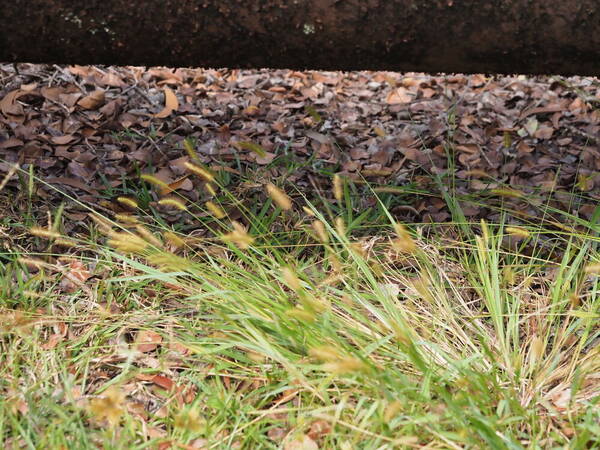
{"x": 323, "y": 327}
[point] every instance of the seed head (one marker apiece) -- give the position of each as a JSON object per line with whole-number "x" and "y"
{"x": 44, "y": 233}
{"x": 239, "y": 236}
{"x": 291, "y": 279}
{"x": 518, "y": 232}
{"x": 200, "y": 171}
{"x": 173, "y": 239}
{"x": 109, "y": 406}
{"x": 215, "y": 210}
{"x": 129, "y": 202}
{"x": 155, "y": 181}
{"x": 175, "y": 203}
{"x": 404, "y": 242}
{"x": 338, "y": 189}
{"x": 319, "y": 228}
{"x": 280, "y": 198}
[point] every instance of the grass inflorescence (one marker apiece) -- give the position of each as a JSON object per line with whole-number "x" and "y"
{"x": 290, "y": 328}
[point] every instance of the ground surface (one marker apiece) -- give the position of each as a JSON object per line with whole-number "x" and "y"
{"x": 91, "y": 131}
{"x": 267, "y": 295}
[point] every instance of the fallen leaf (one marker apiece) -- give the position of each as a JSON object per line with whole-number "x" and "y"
{"x": 75, "y": 275}
{"x": 261, "y": 152}
{"x": 63, "y": 140}
{"x": 531, "y": 126}
{"x": 399, "y": 96}
{"x": 319, "y": 429}
{"x": 11, "y": 142}
{"x": 9, "y": 105}
{"x": 266, "y": 159}
{"x": 93, "y": 100}
{"x": 171, "y": 104}
{"x": 301, "y": 443}
{"x": 163, "y": 382}
{"x": 177, "y": 184}
{"x": 544, "y": 132}
{"x": 147, "y": 340}
{"x": 277, "y": 434}
{"x": 73, "y": 183}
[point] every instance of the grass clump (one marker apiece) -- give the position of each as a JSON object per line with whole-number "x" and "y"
{"x": 290, "y": 329}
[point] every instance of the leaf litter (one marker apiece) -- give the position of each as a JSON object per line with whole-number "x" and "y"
{"x": 92, "y": 130}
{"x": 88, "y": 130}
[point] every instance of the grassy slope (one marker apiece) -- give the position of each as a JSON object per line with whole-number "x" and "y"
{"x": 350, "y": 335}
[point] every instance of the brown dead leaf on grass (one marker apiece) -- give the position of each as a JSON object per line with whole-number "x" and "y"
{"x": 147, "y": 341}
{"x": 301, "y": 443}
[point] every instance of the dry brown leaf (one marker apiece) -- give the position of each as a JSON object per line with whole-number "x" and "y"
{"x": 177, "y": 184}
{"x": 63, "y": 140}
{"x": 399, "y": 96}
{"x": 9, "y": 105}
{"x": 73, "y": 183}
{"x": 319, "y": 429}
{"x": 163, "y": 382}
{"x": 171, "y": 104}
{"x": 74, "y": 276}
{"x": 53, "y": 341}
{"x": 93, "y": 100}
{"x": 277, "y": 434}
{"x": 147, "y": 340}
{"x": 301, "y": 443}
{"x": 266, "y": 159}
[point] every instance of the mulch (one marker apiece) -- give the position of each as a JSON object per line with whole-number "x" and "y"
{"x": 90, "y": 131}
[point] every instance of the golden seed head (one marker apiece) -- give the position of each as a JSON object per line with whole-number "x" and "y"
{"x": 175, "y": 203}
{"x": 404, "y": 242}
{"x": 189, "y": 420}
{"x": 340, "y": 226}
{"x": 575, "y": 300}
{"x": 280, "y": 198}
{"x": 169, "y": 262}
{"x": 507, "y": 192}
{"x": 518, "y": 232}
{"x": 301, "y": 314}
{"x": 44, "y": 233}
{"x": 189, "y": 148}
{"x": 345, "y": 365}
{"x": 291, "y": 279}
{"x": 34, "y": 262}
{"x": 155, "y": 181}
{"x": 211, "y": 189}
{"x": 392, "y": 410}
{"x": 127, "y": 242}
{"x": 65, "y": 242}
{"x": 215, "y": 210}
{"x": 104, "y": 225}
{"x": 173, "y": 239}
{"x": 537, "y": 348}
{"x": 321, "y": 232}
{"x": 200, "y": 171}
{"x": 335, "y": 262}
{"x": 338, "y": 189}
{"x": 109, "y": 406}
{"x": 239, "y": 236}
{"x": 485, "y": 231}
{"x": 148, "y": 236}
{"x": 127, "y": 202}
{"x": 592, "y": 269}
{"x": 127, "y": 218}
{"x": 325, "y": 353}
{"x": 308, "y": 211}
